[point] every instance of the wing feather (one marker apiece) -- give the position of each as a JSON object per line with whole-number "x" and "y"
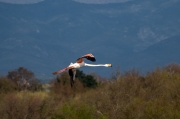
{"x": 62, "y": 70}
{"x": 88, "y": 57}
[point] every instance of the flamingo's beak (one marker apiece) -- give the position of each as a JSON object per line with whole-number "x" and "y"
{"x": 109, "y": 65}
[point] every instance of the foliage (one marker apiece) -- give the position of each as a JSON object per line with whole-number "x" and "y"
{"x": 20, "y": 74}
{"x": 24, "y": 79}
{"x": 7, "y": 85}
{"x": 25, "y": 105}
{"x": 172, "y": 68}
{"x": 35, "y": 85}
{"x": 154, "y": 95}
{"x": 61, "y": 84}
{"x": 62, "y": 90}
{"x": 87, "y": 80}
{"x": 76, "y": 111}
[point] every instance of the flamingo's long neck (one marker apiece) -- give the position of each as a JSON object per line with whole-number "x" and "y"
{"x": 94, "y": 65}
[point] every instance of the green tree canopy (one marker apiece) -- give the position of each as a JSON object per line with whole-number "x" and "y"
{"x": 87, "y": 80}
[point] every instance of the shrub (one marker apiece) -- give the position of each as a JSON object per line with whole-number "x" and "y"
{"x": 130, "y": 96}
{"x": 25, "y": 105}
{"x": 77, "y": 111}
{"x": 7, "y": 85}
{"x": 87, "y": 80}
{"x": 155, "y": 95}
{"x": 62, "y": 90}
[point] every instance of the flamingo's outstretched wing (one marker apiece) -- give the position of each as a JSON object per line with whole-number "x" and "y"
{"x": 88, "y": 57}
{"x": 62, "y": 70}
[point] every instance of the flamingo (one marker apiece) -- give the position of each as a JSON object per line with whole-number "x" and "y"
{"x": 78, "y": 64}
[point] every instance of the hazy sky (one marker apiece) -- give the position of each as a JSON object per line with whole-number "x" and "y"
{"x": 21, "y": 1}
{"x": 101, "y": 1}
{"x": 81, "y": 1}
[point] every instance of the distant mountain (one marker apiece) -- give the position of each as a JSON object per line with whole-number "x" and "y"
{"x": 47, "y": 36}
{"x": 21, "y": 1}
{"x": 101, "y": 1}
{"x": 160, "y": 54}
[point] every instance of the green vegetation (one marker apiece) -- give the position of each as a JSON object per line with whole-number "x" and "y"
{"x": 155, "y": 95}
{"x": 7, "y": 85}
{"x": 86, "y": 80}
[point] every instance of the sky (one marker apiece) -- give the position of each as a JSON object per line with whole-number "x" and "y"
{"x": 81, "y": 1}
{"x": 21, "y": 1}
{"x": 101, "y": 1}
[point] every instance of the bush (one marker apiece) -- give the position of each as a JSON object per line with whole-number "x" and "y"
{"x": 62, "y": 90}
{"x": 25, "y": 105}
{"x": 7, "y": 85}
{"x": 130, "y": 95}
{"x": 155, "y": 95}
{"x": 86, "y": 80}
{"x": 77, "y": 111}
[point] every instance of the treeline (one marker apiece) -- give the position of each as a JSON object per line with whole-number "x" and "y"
{"x": 128, "y": 95}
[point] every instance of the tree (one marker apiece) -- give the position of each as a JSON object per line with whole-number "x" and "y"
{"x": 87, "y": 80}
{"x": 23, "y": 78}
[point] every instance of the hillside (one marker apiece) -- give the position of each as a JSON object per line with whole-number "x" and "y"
{"x": 49, "y": 35}
{"x": 160, "y": 54}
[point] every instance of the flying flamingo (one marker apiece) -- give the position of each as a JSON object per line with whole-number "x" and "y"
{"x": 78, "y": 64}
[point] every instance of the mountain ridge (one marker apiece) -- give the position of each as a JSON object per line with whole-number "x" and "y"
{"x": 160, "y": 54}
{"x": 43, "y": 37}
